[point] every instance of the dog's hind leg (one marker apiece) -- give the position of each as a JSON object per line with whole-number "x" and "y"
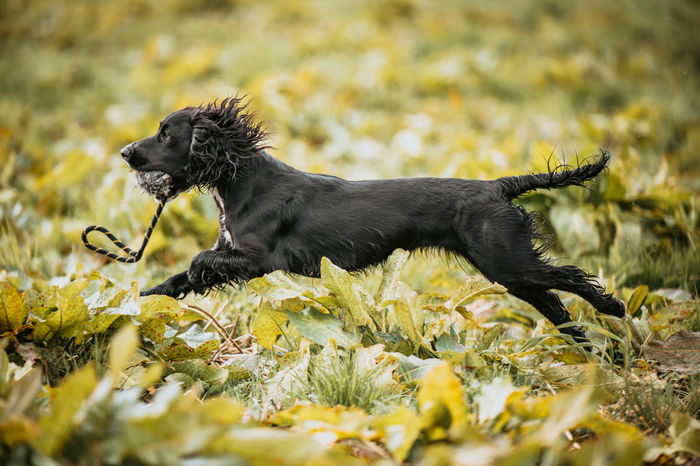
{"x": 549, "y": 304}
{"x": 498, "y": 240}
{"x": 574, "y": 280}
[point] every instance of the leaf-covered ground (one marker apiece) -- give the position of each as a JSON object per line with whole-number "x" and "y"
{"x": 420, "y": 361}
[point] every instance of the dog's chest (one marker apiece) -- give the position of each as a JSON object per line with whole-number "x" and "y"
{"x": 224, "y": 233}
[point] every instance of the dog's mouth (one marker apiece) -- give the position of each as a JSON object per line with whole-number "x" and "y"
{"x": 156, "y": 183}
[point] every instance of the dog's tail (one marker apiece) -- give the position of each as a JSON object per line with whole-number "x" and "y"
{"x": 514, "y": 186}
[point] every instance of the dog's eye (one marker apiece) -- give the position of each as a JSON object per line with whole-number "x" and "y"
{"x": 165, "y": 135}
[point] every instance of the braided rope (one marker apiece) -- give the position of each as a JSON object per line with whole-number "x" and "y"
{"x": 134, "y": 256}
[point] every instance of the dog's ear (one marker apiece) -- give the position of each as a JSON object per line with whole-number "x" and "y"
{"x": 208, "y": 158}
{"x": 222, "y": 136}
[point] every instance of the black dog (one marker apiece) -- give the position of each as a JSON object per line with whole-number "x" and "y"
{"x": 273, "y": 216}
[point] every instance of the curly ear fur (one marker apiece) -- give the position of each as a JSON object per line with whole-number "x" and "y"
{"x": 222, "y": 134}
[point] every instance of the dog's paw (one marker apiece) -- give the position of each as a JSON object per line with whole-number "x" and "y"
{"x": 613, "y": 307}
{"x": 152, "y": 290}
{"x": 161, "y": 290}
{"x": 618, "y": 308}
{"x": 176, "y": 287}
{"x": 579, "y": 336}
{"x": 200, "y": 280}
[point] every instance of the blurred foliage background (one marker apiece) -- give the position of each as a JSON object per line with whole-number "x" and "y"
{"x": 362, "y": 90}
{"x": 443, "y": 368}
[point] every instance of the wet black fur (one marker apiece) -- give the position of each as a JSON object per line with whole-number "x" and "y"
{"x": 280, "y": 218}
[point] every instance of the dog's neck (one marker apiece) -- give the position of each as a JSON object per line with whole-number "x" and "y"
{"x": 267, "y": 170}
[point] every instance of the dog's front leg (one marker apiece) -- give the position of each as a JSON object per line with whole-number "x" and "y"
{"x": 212, "y": 268}
{"x": 176, "y": 286}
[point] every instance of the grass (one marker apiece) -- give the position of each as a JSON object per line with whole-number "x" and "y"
{"x": 649, "y": 404}
{"x": 341, "y": 382}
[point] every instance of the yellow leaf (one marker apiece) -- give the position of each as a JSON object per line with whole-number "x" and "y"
{"x": 392, "y": 269}
{"x": 151, "y": 375}
{"x": 276, "y": 285}
{"x": 268, "y": 325}
{"x": 402, "y": 316}
{"x": 398, "y": 431}
{"x": 222, "y": 411}
{"x": 639, "y": 295}
{"x": 57, "y": 424}
{"x": 155, "y": 306}
{"x": 121, "y": 348}
{"x": 472, "y": 290}
{"x": 13, "y": 311}
{"x": 69, "y": 318}
{"x": 442, "y": 403}
{"x": 354, "y": 299}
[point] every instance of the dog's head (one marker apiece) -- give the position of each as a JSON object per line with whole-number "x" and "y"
{"x": 196, "y": 147}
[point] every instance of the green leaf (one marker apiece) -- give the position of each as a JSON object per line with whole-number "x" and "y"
{"x": 575, "y": 228}
{"x": 446, "y": 342}
{"x": 177, "y": 352}
{"x": 213, "y": 377}
{"x": 195, "y": 336}
{"x": 413, "y": 368}
{"x": 322, "y": 328}
{"x": 263, "y": 446}
{"x": 5, "y": 376}
{"x": 471, "y": 359}
{"x": 13, "y": 311}
{"x": 392, "y": 269}
{"x": 357, "y": 303}
{"x": 570, "y": 374}
{"x": 268, "y": 325}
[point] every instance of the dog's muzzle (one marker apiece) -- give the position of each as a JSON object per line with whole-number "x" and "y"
{"x": 155, "y": 183}
{"x": 127, "y": 153}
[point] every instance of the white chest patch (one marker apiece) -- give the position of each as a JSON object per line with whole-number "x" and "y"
{"x": 223, "y": 231}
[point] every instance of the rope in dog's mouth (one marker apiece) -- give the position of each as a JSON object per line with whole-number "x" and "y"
{"x": 157, "y": 183}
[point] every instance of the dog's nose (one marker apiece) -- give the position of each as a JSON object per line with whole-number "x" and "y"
{"x": 127, "y": 152}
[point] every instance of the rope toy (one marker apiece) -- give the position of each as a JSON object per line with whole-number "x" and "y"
{"x": 159, "y": 185}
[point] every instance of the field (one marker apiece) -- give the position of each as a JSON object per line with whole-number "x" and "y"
{"x": 420, "y": 361}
